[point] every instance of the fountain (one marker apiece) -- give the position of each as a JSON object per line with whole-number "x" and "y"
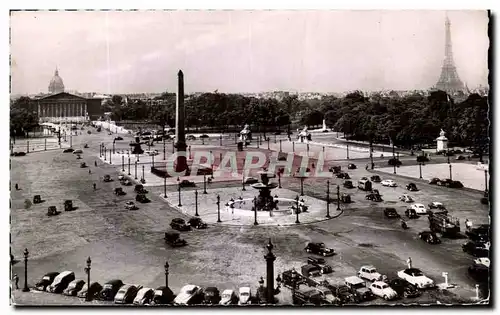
{"x": 265, "y": 202}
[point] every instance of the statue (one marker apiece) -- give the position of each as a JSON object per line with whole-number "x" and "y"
{"x": 245, "y": 137}
{"x": 304, "y": 135}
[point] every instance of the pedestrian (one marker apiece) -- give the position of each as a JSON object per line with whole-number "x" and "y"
{"x": 17, "y": 186}
{"x": 409, "y": 262}
{"x": 468, "y": 224}
{"x": 16, "y": 281}
{"x": 366, "y": 167}
{"x": 95, "y": 163}
{"x": 94, "y": 186}
{"x": 90, "y": 171}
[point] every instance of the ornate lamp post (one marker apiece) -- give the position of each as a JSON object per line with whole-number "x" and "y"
{"x": 297, "y": 210}
{"x": 347, "y": 148}
{"x": 420, "y": 169}
{"x": 328, "y": 199}
{"x": 486, "y": 181}
{"x": 270, "y": 258}
{"x": 143, "y": 178}
{"x": 88, "y": 297}
{"x": 135, "y": 174}
{"x": 196, "y": 203}
{"x": 279, "y": 179}
{"x": 153, "y": 160}
{"x": 113, "y": 146}
{"x": 105, "y": 158}
{"x": 26, "y": 254}
{"x": 166, "y": 273}
{"x": 165, "y": 186}
{"x": 204, "y": 184}
{"x": 255, "y": 211}
{"x": 243, "y": 184}
{"x": 338, "y": 198}
{"x": 450, "y": 172}
{"x": 280, "y": 145}
{"x": 164, "y": 153}
{"x": 218, "y": 209}
{"x": 129, "y": 165}
{"x": 211, "y": 165}
{"x": 123, "y": 163}
{"x": 179, "y": 189}
{"x": 220, "y": 140}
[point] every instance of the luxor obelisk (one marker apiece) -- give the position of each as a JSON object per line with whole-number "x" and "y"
{"x": 180, "y": 135}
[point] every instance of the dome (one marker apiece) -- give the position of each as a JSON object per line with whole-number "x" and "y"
{"x": 56, "y": 84}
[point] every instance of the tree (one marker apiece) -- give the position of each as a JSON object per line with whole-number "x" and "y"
{"x": 22, "y": 119}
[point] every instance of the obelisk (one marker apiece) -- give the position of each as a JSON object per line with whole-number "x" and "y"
{"x": 180, "y": 135}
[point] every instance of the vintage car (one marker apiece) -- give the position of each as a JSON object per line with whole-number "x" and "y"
{"x": 144, "y": 296}
{"x": 119, "y": 191}
{"x": 406, "y": 198}
{"x": 335, "y": 169}
{"x": 173, "y": 239}
{"x": 126, "y": 182}
{"x": 348, "y": 184}
{"x": 37, "y": 199}
{"x": 374, "y": 197}
{"x": 375, "y": 179}
{"x": 179, "y": 224}
{"x": 52, "y": 210}
{"x": 46, "y": 280}
{"x": 190, "y": 137}
{"x": 68, "y": 150}
{"x": 351, "y": 166}
{"x": 436, "y": 205}
{"x": 357, "y": 285}
{"x": 142, "y": 198}
{"x": 95, "y": 288}
{"x": 460, "y": 158}
{"x": 309, "y": 271}
{"x": 479, "y": 234}
{"x": 139, "y": 188}
{"x": 429, "y": 237}
{"x": 411, "y": 187}
{"x": 61, "y": 282}
{"x": 419, "y": 209}
{"x": 321, "y": 264}
{"x": 126, "y": 294}
{"x": 319, "y": 248}
{"x": 197, "y": 223}
{"x": 343, "y": 175}
{"x": 130, "y": 205}
{"x": 434, "y": 181}
{"x": 74, "y": 287}
{"x": 189, "y": 295}
{"x": 391, "y": 213}
{"x": 187, "y": 183}
{"x": 404, "y": 289}
{"x": 110, "y": 289}
{"x": 383, "y": 290}
{"x": 422, "y": 159}
{"x": 476, "y": 249}
{"x": 479, "y": 273}
{"x": 211, "y": 296}
{"x": 228, "y": 297}
{"x": 416, "y": 277}
{"x": 89, "y": 132}
{"x": 394, "y": 162}
{"x": 163, "y": 295}
{"x": 83, "y": 165}
{"x": 245, "y": 296}
{"x": 345, "y": 198}
{"x": 411, "y": 213}
{"x": 107, "y": 178}
{"x": 388, "y": 183}
{"x": 369, "y": 273}
{"x": 68, "y": 205}
{"x": 118, "y": 138}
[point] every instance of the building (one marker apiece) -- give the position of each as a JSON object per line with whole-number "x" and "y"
{"x": 56, "y": 84}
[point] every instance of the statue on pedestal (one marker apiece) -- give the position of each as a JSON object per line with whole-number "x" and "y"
{"x": 304, "y": 135}
{"x": 245, "y": 137}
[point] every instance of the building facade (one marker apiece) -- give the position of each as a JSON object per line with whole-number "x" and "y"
{"x": 65, "y": 107}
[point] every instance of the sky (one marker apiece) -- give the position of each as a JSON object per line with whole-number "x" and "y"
{"x": 243, "y": 51}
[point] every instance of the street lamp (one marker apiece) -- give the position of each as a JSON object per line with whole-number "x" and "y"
{"x": 280, "y": 145}
{"x": 26, "y": 253}
{"x": 135, "y": 174}
{"x": 297, "y": 209}
{"x": 196, "y": 203}
{"x": 129, "y": 165}
{"x": 164, "y": 153}
{"x": 328, "y": 199}
{"x": 211, "y": 165}
{"x": 347, "y": 148}
{"x": 105, "y": 158}
{"x": 179, "y": 189}
{"x": 486, "y": 181}
{"x": 220, "y": 140}
{"x": 394, "y": 165}
{"x": 302, "y": 186}
{"x": 255, "y": 211}
{"x": 123, "y": 163}
{"x": 279, "y": 179}
{"x": 218, "y": 209}
{"x": 165, "y": 186}
{"x": 338, "y": 198}
{"x": 450, "y": 172}
{"x": 88, "y": 297}
{"x": 166, "y": 273}
{"x": 143, "y": 178}
{"x": 204, "y": 184}
{"x": 270, "y": 258}
{"x": 420, "y": 169}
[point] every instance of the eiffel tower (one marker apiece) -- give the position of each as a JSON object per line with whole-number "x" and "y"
{"x": 449, "y": 80}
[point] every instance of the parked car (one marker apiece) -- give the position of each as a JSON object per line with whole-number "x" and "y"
{"x": 434, "y": 181}
{"x": 411, "y": 213}
{"x": 74, "y": 287}
{"x": 411, "y": 187}
{"x": 163, "y": 295}
{"x": 95, "y": 288}
{"x": 61, "y": 282}
{"x": 436, "y": 205}
{"x": 68, "y": 150}
{"x": 126, "y": 294}
{"x": 309, "y": 271}
{"x": 394, "y": 161}
{"x": 68, "y": 205}
{"x": 375, "y": 179}
{"x": 110, "y": 289}
{"x": 189, "y": 295}
{"x": 479, "y": 273}
{"x": 197, "y": 223}
{"x": 374, "y": 197}
{"x": 429, "y": 237}
{"x": 422, "y": 159}
{"x": 485, "y": 261}
{"x": 348, "y": 184}
{"x": 22, "y": 153}
{"x": 319, "y": 249}
{"x": 351, "y": 166}
{"x": 139, "y": 188}
{"x": 416, "y": 277}
{"x": 406, "y": 198}
{"x": 52, "y": 211}
{"x": 211, "y": 296}
{"x": 335, "y": 169}
{"x": 357, "y": 285}
{"x": 245, "y": 296}
{"x": 190, "y": 137}
{"x": 383, "y": 290}
{"x": 369, "y": 273}
{"x": 187, "y": 183}
{"x": 173, "y": 239}
{"x": 404, "y": 289}
{"x": 460, "y": 158}
{"x": 179, "y": 224}
{"x": 451, "y": 183}
{"x": 343, "y": 175}
{"x": 389, "y": 183}
{"x": 228, "y": 297}
{"x": 119, "y": 191}
{"x": 130, "y": 205}
{"x": 107, "y": 178}
{"x": 118, "y": 138}
{"x": 251, "y": 180}
{"x": 46, "y": 280}
{"x": 142, "y": 198}
{"x": 321, "y": 264}
{"x": 37, "y": 199}
{"x": 144, "y": 296}
{"x": 391, "y": 213}
{"x": 78, "y": 151}
{"x": 419, "y": 208}
{"x": 476, "y": 249}
{"x": 480, "y": 233}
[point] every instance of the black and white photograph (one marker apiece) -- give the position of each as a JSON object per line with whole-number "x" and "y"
{"x": 242, "y": 158}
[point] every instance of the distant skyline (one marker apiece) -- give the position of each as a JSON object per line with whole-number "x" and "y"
{"x": 243, "y": 51}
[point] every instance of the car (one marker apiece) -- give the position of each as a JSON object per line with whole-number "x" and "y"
{"x": 411, "y": 187}
{"x": 89, "y": 132}
{"x": 451, "y": 183}
{"x": 78, "y": 151}
{"x": 460, "y": 158}
{"x": 52, "y": 211}
{"x": 479, "y": 273}
{"x": 406, "y": 198}
{"x": 142, "y": 198}
{"x": 357, "y": 285}
{"x": 394, "y": 162}
{"x": 245, "y": 296}
{"x": 119, "y": 191}
{"x": 187, "y": 183}
{"x": 476, "y": 249}
{"x": 374, "y": 197}
{"x": 436, "y": 205}
{"x": 190, "y": 294}
{"x": 434, "y": 181}
{"x": 334, "y": 169}
{"x": 37, "y": 199}
{"x": 152, "y": 153}
{"x": 95, "y": 288}
{"x": 416, "y": 277}
{"x": 485, "y": 261}
{"x": 19, "y": 153}
{"x": 107, "y": 178}
{"x": 110, "y": 289}
{"x": 179, "y": 224}
{"x": 345, "y": 198}
{"x": 404, "y": 289}
{"x": 139, "y": 188}
{"x": 419, "y": 208}
{"x": 351, "y": 166}
{"x": 375, "y": 179}
{"x": 68, "y": 205}
{"x": 369, "y": 272}
{"x": 46, "y": 280}
{"x": 126, "y": 294}
{"x": 422, "y": 159}
{"x": 211, "y": 296}
{"x": 61, "y": 282}
{"x": 348, "y": 184}
{"x": 163, "y": 295}
{"x": 68, "y": 150}
{"x": 320, "y": 263}
{"x": 391, "y": 213}
{"x": 74, "y": 287}
{"x": 204, "y": 136}
{"x": 190, "y": 137}
{"x": 126, "y": 182}
{"x": 411, "y": 213}
{"x": 383, "y": 290}
{"x": 197, "y": 223}
{"x": 173, "y": 239}
{"x": 479, "y": 234}
{"x": 83, "y": 165}
{"x": 251, "y": 180}
{"x": 319, "y": 249}
{"x": 118, "y": 138}
{"x": 429, "y": 237}
{"x": 389, "y": 183}
{"x": 130, "y": 205}
{"x": 228, "y": 297}
{"x": 343, "y": 175}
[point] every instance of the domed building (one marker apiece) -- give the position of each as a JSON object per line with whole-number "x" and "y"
{"x": 56, "y": 84}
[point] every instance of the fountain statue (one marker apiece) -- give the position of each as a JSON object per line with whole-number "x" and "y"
{"x": 304, "y": 135}
{"x": 245, "y": 137}
{"x": 265, "y": 202}
{"x": 137, "y": 146}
